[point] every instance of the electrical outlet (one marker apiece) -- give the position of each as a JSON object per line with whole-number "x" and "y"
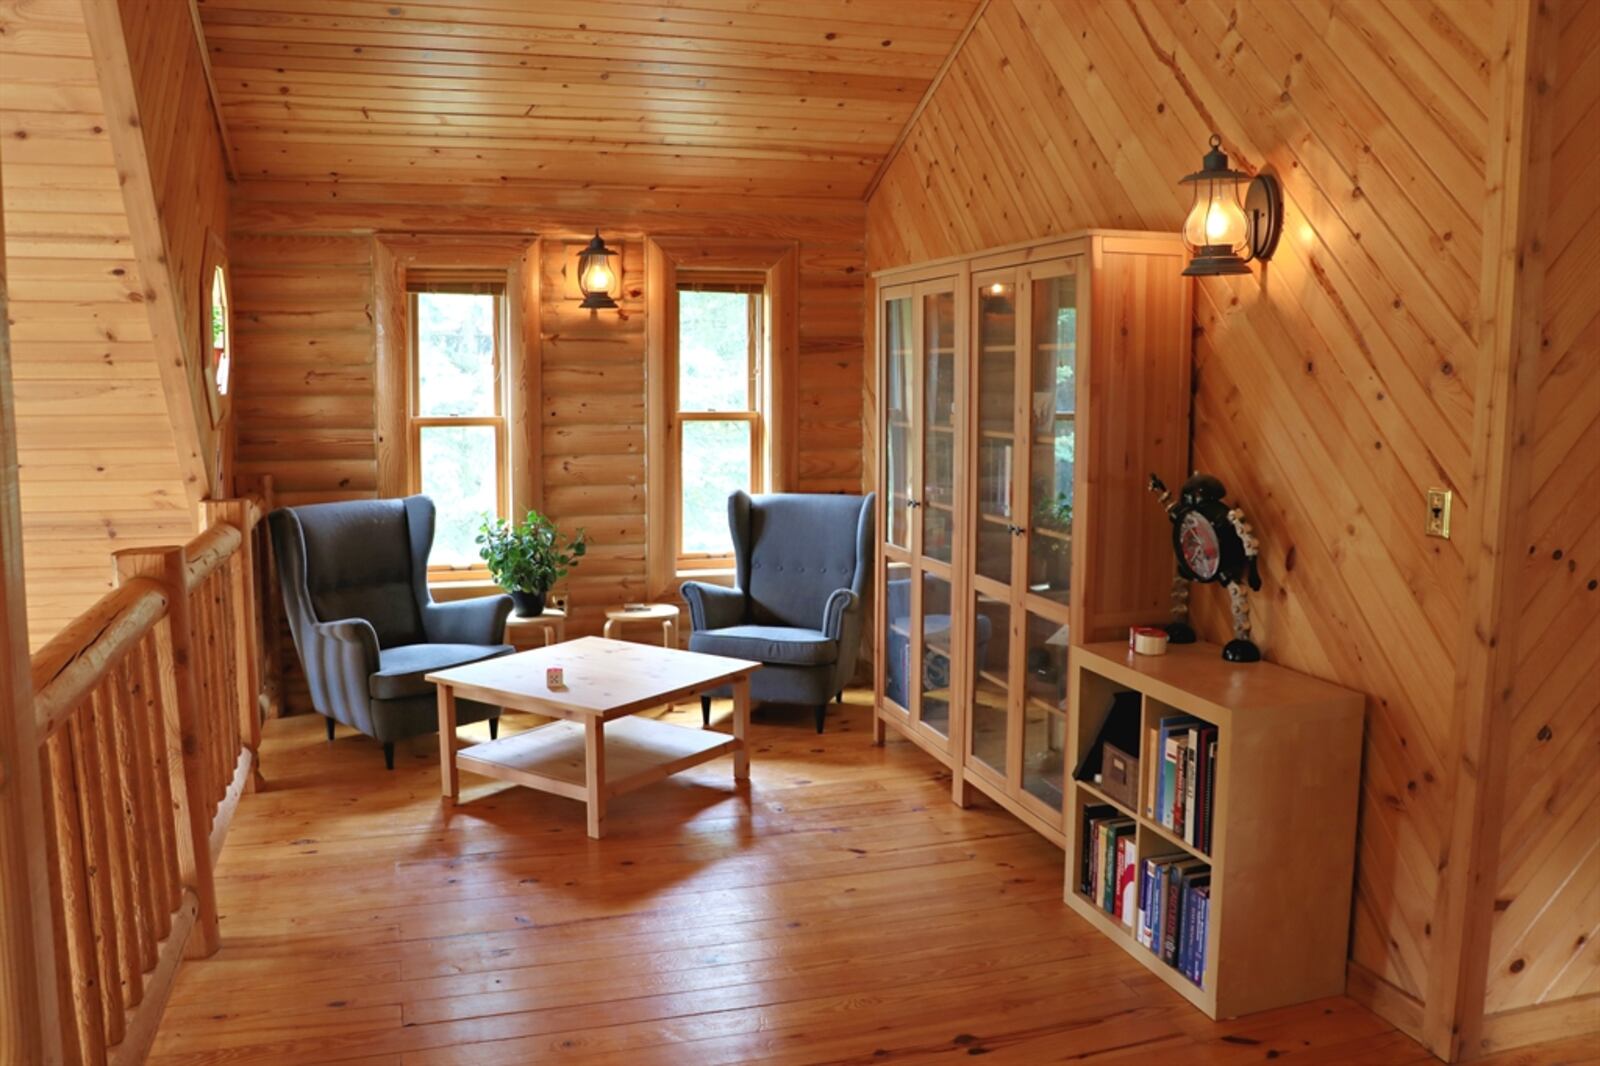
{"x": 1438, "y": 520}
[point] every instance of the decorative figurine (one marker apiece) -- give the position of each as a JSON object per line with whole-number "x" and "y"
{"x": 1213, "y": 542}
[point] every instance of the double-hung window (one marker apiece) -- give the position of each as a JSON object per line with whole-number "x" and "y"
{"x": 457, "y": 410}
{"x": 719, "y": 435}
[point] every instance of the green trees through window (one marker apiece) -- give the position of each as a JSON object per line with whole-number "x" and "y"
{"x": 718, "y": 401}
{"x": 458, "y": 428}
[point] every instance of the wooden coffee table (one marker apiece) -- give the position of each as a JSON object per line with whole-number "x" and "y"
{"x": 596, "y": 750}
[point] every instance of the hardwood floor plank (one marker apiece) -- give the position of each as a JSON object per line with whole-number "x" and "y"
{"x": 840, "y": 911}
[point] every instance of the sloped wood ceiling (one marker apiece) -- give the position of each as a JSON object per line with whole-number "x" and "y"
{"x": 1336, "y": 384}
{"x": 763, "y": 96}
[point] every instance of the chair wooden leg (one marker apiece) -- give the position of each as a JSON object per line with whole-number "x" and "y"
{"x": 705, "y": 711}
{"x": 388, "y": 754}
{"x": 822, "y": 712}
{"x": 839, "y": 697}
{"x": 330, "y": 728}
{"x": 494, "y": 729}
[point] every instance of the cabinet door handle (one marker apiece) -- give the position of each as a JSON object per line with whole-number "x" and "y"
{"x": 913, "y": 503}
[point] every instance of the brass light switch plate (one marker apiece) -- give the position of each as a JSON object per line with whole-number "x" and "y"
{"x": 1438, "y": 521}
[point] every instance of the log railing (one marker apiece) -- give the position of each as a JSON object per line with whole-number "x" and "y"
{"x": 148, "y": 712}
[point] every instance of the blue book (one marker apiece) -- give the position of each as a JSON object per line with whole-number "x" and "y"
{"x": 1166, "y": 765}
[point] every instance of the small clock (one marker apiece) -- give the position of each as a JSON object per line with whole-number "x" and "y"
{"x": 1213, "y": 544}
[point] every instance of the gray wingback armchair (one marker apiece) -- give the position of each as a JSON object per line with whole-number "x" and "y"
{"x": 355, "y": 588}
{"x": 801, "y": 563}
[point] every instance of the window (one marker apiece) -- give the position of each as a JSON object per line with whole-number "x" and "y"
{"x": 457, "y": 412}
{"x": 718, "y": 432}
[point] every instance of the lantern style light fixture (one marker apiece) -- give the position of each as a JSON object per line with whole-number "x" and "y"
{"x": 1223, "y": 235}
{"x": 596, "y": 274}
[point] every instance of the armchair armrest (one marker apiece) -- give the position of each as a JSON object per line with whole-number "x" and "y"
{"x": 712, "y": 606}
{"x": 841, "y": 602}
{"x": 480, "y": 620}
{"x": 356, "y": 644}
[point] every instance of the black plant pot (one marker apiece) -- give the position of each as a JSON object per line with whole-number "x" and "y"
{"x": 528, "y": 604}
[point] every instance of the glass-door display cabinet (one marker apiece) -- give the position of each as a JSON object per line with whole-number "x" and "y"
{"x": 919, "y": 425}
{"x": 1070, "y": 387}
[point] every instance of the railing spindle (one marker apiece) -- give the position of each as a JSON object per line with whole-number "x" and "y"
{"x": 102, "y": 915}
{"x": 78, "y": 969}
{"x": 184, "y": 731}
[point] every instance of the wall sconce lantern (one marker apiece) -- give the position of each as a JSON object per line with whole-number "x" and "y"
{"x": 1222, "y": 235}
{"x": 596, "y": 274}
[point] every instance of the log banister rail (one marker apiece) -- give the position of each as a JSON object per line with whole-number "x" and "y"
{"x": 147, "y": 715}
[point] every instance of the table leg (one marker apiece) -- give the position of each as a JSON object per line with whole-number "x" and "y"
{"x": 666, "y": 634}
{"x": 549, "y": 635}
{"x": 741, "y": 729}
{"x": 610, "y": 625}
{"x": 450, "y": 782}
{"x": 594, "y": 767}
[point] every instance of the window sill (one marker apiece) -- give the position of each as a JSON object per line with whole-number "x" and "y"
{"x": 718, "y": 576}
{"x": 448, "y": 591}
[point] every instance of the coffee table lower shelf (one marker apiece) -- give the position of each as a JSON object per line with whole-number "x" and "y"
{"x": 638, "y": 752}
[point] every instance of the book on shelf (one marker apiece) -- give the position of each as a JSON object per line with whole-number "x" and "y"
{"x": 1093, "y": 814}
{"x": 1185, "y": 781}
{"x": 1173, "y": 897}
{"x": 1126, "y": 856}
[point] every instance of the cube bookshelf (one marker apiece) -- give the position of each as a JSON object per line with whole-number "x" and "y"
{"x": 1288, "y": 768}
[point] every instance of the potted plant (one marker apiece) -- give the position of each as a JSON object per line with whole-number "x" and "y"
{"x": 528, "y": 558}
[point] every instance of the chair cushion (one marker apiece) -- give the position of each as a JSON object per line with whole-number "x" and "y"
{"x": 401, "y": 670}
{"x": 359, "y": 564}
{"x": 795, "y": 551}
{"x": 788, "y": 645}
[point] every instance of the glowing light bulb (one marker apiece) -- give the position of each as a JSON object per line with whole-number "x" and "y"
{"x": 1215, "y": 219}
{"x": 599, "y": 277}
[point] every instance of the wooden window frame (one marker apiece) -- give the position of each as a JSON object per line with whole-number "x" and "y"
{"x": 396, "y": 261}
{"x": 417, "y": 422}
{"x": 758, "y": 354}
{"x": 665, "y": 257}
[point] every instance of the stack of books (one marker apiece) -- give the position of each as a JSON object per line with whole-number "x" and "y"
{"x": 1109, "y": 859}
{"x": 1180, "y": 791}
{"x": 1173, "y": 911}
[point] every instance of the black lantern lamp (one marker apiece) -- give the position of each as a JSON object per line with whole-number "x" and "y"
{"x": 596, "y": 274}
{"x": 1222, "y": 235}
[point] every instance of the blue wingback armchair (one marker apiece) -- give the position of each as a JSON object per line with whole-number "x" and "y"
{"x": 801, "y": 563}
{"x": 355, "y": 588}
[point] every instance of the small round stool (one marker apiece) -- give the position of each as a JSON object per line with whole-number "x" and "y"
{"x": 521, "y": 633}
{"x": 662, "y": 613}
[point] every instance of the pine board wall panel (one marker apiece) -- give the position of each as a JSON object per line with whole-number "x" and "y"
{"x": 1547, "y": 901}
{"x": 188, "y": 172}
{"x": 1334, "y": 386}
{"x": 99, "y": 460}
{"x": 303, "y": 278}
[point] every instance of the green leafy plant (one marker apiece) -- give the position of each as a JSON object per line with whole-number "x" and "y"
{"x": 528, "y": 556}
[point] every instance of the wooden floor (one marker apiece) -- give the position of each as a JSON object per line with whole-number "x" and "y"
{"x": 840, "y": 910}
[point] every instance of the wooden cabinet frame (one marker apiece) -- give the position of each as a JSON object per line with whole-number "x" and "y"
{"x": 1131, "y": 418}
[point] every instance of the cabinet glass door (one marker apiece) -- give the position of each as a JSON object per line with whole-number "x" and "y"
{"x": 991, "y": 682}
{"x": 897, "y": 633}
{"x": 1044, "y": 719}
{"x": 938, "y": 424}
{"x": 1052, "y": 439}
{"x": 933, "y": 709}
{"x": 897, "y": 339}
{"x": 996, "y": 358}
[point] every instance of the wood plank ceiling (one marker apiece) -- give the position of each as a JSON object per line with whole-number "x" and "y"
{"x": 703, "y": 95}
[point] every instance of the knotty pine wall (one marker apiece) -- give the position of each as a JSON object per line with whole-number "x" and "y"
{"x": 101, "y": 465}
{"x": 189, "y": 177}
{"x": 1334, "y": 385}
{"x": 302, "y": 258}
{"x": 1542, "y": 947}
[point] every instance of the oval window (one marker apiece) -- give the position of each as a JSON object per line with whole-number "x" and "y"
{"x": 221, "y": 357}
